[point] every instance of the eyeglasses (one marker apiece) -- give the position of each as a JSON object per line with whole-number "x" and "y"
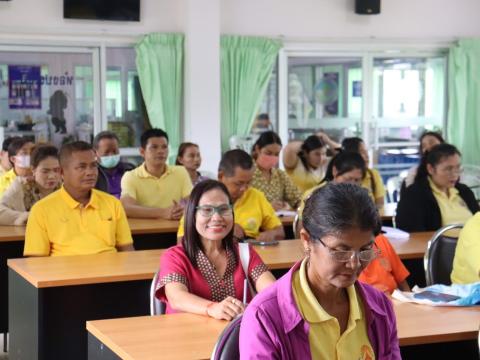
{"x": 207, "y": 211}
{"x": 347, "y": 255}
{"x": 452, "y": 170}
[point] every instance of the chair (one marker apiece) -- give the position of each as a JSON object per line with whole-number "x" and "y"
{"x": 226, "y": 347}
{"x": 157, "y": 307}
{"x": 297, "y": 226}
{"x": 438, "y": 260}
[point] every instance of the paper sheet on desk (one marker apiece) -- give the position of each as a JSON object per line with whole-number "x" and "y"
{"x": 395, "y": 234}
{"x": 469, "y": 294}
{"x": 285, "y": 213}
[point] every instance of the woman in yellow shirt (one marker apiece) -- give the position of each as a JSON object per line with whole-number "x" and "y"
{"x": 372, "y": 181}
{"x": 305, "y": 162}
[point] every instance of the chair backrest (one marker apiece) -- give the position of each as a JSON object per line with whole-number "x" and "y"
{"x": 438, "y": 260}
{"x": 157, "y": 307}
{"x": 394, "y": 184}
{"x": 226, "y": 347}
{"x": 297, "y": 226}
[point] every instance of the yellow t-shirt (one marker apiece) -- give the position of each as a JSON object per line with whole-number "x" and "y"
{"x": 324, "y": 336}
{"x": 59, "y": 225}
{"x": 305, "y": 179}
{"x": 379, "y": 187}
{"x": 466, "y": 264}
{"x": 306, "y": 195}
{"x": 6, "y": 180}
{"x": 158, "y": 192}
{"x": 452, "y": 208}
{"x": 252, "y": 212}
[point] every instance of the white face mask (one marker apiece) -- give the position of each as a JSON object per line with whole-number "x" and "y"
{"x": 22, "y": 161}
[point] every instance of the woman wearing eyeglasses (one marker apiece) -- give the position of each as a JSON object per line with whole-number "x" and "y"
{"x": 319, "y": 310}
{"x": 436, "y": 198}
{"x": 204, "y": 274}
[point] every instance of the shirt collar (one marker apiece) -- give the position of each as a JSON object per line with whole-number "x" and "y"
{"x": 143, "y": 173}
{"x": 72, "y": 203}
{"x": 452, "y": 192}
{"x": 10, "y": 174}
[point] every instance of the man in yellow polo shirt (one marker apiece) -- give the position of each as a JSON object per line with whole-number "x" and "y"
{"x": 155, "y": 189}
{"x": 19, "y": 155}
{"x": 255, "y": 218}
{"x": 77, "y": 219}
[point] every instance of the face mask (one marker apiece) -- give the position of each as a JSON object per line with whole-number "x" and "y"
{"x": 267, "y": 162}
{"x": 22, "y": 161}
{"x": 109, "y": 162}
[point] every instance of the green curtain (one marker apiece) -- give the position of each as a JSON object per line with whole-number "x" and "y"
{"x": 464, "y": 99}
{"x": 246, "y": 66}
{"x": 160, "y": 71}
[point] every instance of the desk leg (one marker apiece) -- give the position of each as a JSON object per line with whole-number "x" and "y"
{"x": 23, "y": 319}
{"x": 8, "y": 250}
{"x": 98, "y": 351}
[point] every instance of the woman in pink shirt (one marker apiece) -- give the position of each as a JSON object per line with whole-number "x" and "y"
{"x": 204, "y": 275}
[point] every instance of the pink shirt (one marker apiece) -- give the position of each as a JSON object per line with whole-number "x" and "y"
{"x": 203, "y": 280}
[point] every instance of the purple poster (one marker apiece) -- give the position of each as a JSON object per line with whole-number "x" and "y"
{"x": 24, "y": 88}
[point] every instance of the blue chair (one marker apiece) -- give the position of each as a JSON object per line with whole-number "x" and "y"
{"x": 227, "y": 347}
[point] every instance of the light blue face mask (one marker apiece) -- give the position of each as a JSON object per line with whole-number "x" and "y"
{"x": 109, "y": 162}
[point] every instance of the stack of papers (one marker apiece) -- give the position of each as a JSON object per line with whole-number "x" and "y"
{"x": 395, "y": 234}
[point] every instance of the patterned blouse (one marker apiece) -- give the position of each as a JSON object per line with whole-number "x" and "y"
{"x": 203, "y": 280}
{"x": 279, "y": 188}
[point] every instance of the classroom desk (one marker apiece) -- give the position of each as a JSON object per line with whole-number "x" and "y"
{"x": 388, "y": 212}
{"x": 42, "y": 290}
{"x": 187, "y": 336}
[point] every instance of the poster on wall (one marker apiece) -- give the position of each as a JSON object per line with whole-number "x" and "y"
{"x": 24, "y": 88}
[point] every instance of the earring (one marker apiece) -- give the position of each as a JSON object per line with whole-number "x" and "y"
{"x": 307, "y": 252}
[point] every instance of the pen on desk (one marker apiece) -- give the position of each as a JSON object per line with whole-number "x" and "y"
{"x": 245, "y": 287}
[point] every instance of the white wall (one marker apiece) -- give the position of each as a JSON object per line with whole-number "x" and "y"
{"x": 47, "y": 16}
{"x": 417, "y": 19}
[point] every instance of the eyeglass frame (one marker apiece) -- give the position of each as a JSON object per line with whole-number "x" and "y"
{"x": 215, "y": 210}
{"x": 332, "y": 252}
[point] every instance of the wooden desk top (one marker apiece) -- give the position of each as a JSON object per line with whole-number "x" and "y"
{"x": 422, "y": 324}
{"x": 187, "y": 336}
{"x": 44, "y": 272}
{"x": 179, "y": 336}
{"x": 137, "y": 226}
{"x": 388, "y": 211}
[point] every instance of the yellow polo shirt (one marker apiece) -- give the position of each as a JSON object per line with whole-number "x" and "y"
{"x": 305, "y": 179}
{"x": 59, "y": 225}
{"x": 6, "y": 180}
{"x": 379, "y": 186}
{"x": 466, "y": 264}
{"x": 158, "y": 192}
{"x": 452, "y": 208}
{"x": 324, "y": 336}
{"x": 253, "y": 213}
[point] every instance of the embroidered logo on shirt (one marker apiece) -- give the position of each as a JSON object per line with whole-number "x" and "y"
{"x": 366, "y": 353}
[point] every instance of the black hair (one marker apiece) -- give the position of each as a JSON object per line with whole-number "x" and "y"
{"x": 263, "y": 116}
{"x": 265, "y": 139}
{"x": 15, "y": 145}
{"x": 151, "y": 133}
{"x": 336, "y": 208}
{"x": 181, "y": 150}
{"x": 104, "y": 135}
{"x": 233, "y": 159}
{"x": 429, "y": 133}
{"x": 68, "y": 149}
{"x": 7, "y": 142}
{"x": 191, "y": 239}
{"x": 352, "y": 144}
{"x": 41, "y": 152}
{"x": 433, "y": 157}
{"x": 345, "y": 162}
{"x": 311, "y": 143}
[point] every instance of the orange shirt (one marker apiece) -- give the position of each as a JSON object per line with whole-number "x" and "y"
{"x": 387, "y": 270}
